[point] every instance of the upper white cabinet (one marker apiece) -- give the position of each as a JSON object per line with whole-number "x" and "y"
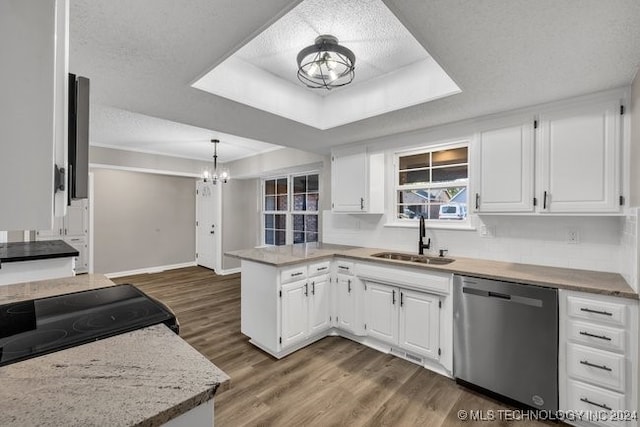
{"x": 579, "y": 159}
{"x": 357, "y": 181}
{"x": 506, "y": 161}
{"x": 33, "y": 117}
{"x": 570, "y": 164}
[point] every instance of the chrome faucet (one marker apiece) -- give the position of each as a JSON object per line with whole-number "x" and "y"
{"x": 423, "y": 230}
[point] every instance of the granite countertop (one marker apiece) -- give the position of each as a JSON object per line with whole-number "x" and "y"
{"x": 145, "y": 377}
{"x": 47, "y": 288}
{"x": 31, "y": 251}
{"x": 563, "y": 278}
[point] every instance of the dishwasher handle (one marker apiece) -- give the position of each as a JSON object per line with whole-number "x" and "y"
{"x": 502, "y": 296}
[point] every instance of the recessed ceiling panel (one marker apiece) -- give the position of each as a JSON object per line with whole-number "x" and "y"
{"x": 262, "y": 73}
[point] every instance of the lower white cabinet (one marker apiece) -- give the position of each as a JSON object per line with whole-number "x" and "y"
{"x": 295, "y": 312}
{"x": 319, "y": 304}
{"x": 82, "y": 260}
{"x": 404, "y": 318}
{"x": 598, "y": 357}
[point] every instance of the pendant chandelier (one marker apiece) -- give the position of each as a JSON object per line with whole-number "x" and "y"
{"x": 326, "y": 64}
{"x": 215, "y": 177}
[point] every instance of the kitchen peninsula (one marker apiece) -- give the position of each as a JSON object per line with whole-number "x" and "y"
{"x": 146, "y": 377}
{"x": 28, "y": 261}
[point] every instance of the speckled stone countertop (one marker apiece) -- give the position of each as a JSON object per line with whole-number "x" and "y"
{"x": 48, "y": 288}
{"x": 563, "y": 278}
{"x": 144, "y": 378}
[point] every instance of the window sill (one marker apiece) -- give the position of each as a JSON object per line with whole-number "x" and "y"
{"x": 430, "y": 226}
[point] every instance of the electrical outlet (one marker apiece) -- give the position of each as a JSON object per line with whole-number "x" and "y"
{"x": 572, "y": 237}
{"x": 487, "y": 231}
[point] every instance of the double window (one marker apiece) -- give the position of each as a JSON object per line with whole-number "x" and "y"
{"x": 433, "y": 183}
{"x": 290, "y": 209}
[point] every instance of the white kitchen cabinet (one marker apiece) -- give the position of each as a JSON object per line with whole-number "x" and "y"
{"x": 346, "y": 300}
{"x": 33, "y": 111}
{"x": 504, "y": 182}
{"x": 73, "y": 228}
{"x": 357, "y": 181}
{"x": 319, "y": 301}
{"x": 598, "y": 355}
{"x": 404, "y": 318}
{"x": 579, "y": 150}
{"x": 294, "y": 312}
{"x": 420, "y": 323}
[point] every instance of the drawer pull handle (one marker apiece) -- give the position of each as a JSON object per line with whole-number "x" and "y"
{"x": 600, "y": 337}
{"x": 599, "y": 405}
{"x": 322, "y": 268}
{"x": 593, "y": 365}
{"x": 342, "y": 267}
{"x": 299, "y": 273}
{"x": 589, "y": 310}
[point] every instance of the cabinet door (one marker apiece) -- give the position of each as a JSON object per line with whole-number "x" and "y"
{"x": 420, "y": 323}
{"x": 32, "y": 117}
{"x": 580, "y": 159}
{"x": 82, "y": 260}
{"x": 381, "y": 312}
{"x": 55, "y": 233}
{"x": 294, "y": 312}
{"x": 505, "y": 182}
{"x": 319, "y": 300}
{"x": 346, "y": 314}
{"x": 349, "y": 174}
{"x": 75, "y": 222}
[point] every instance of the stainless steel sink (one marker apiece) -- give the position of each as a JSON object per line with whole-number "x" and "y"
{"x": 423, "y": 259}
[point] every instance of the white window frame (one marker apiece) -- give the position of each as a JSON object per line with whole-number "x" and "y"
{"x": 433, "y": 223}
{"x": 289, "y": 212}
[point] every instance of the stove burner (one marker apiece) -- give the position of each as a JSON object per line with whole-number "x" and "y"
{"x": 100, "y": 321}
{"x": 33, "y": 341}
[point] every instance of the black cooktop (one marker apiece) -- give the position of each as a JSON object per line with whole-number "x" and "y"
{"x": 35, "y": 327}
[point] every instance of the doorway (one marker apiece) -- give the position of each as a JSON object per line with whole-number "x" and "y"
{"x": 207, "y": 231}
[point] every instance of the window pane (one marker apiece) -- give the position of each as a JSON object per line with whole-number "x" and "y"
{"x": 269, "y": 203}
{"x": 299, "y": 184}
{"x": 268, "y": 221}
{"x": 415, "y": 196}
{"x": 282, "y": 186}
{"x": 415, "y": 161}
{"x": 281, "y": 203}
{"x": 312, "y": 237}
{"x": 270, "y": 186}
{"x": 450, "y": 174}
{"x": 298, "y": 222}
{"x": 311, "y": 223}
{"x": 413, "y": 177}
{"x": 299, "y": 202}
{"x": 268, "y": 237}
{"x": 412, "y": 211}
{"x": 298, "y": 237}
{"x": 312, "y": 183}
{"x": 280, "y": 238}
{"x": 450, "y": 157}
{"x": 312, "y": 202}
{"x": 281, "y": 222}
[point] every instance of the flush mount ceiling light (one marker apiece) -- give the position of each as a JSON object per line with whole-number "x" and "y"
{"x": 326, "y": 64}
{"x": 224, "y": 174}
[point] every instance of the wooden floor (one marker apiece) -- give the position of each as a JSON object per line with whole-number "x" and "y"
{"x": 333, "y": 382}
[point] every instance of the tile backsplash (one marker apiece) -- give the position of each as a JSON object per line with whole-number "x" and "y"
{"x": 603, "y": 243}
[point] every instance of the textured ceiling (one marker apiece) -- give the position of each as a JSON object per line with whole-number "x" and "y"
{"x": 379, "y": 41}
{"x": 115, "y": 128}
{"x": 142, "y": 55}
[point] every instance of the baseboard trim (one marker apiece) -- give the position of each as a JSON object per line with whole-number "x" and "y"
{"x": 228, "y": 271}
{"x": 148, "y": 270}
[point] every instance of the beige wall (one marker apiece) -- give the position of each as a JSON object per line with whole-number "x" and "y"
{"x": 635, "y": 142}
{"x": 142, "y": 220}
{"x": 240, "y": 226}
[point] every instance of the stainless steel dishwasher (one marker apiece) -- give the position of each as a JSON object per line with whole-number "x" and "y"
{"x": 506, "y": 339}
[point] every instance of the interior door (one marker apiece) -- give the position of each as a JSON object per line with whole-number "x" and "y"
{"x": 205, "y": 225}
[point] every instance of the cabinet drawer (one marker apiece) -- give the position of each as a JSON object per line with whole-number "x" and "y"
{"x": 291, "y": 274}
{"x": 601, "y": 311}
{"x": 344, "y": 267}
{"x": 588, "y": 398}
{"x": 597, "y": 335}
{"x": 319, "y": 268}
{"x": 596, "y": 366}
